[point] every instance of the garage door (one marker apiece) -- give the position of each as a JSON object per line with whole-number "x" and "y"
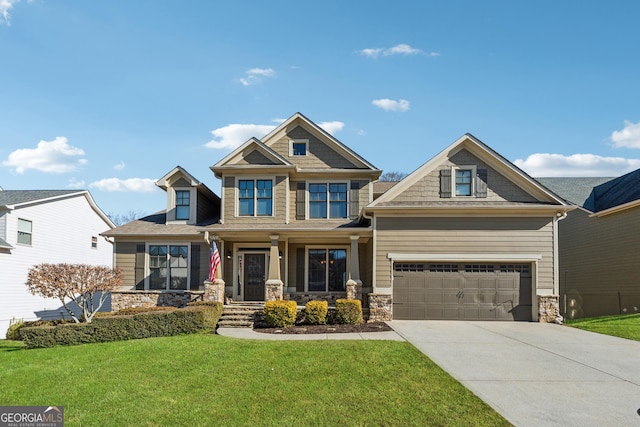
{"x": 462, "y": 291}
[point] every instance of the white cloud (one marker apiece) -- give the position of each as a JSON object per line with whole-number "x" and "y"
{"x": 5, "y": 6}
{"x": 391, "y": 105}
{"x": 234, "y": 135}
{"x": 399, "y": 49}
{"x": 119, "y": 166}
{"x": 332, "y": 127}
{"x": 255, "y": 75}
{"x": 134, "y": 185}
{"x": 55, "y": 156}
{"x": 628, "y": 137}
{"x": 576, "y": 165}
{"x": 74, "y": 183}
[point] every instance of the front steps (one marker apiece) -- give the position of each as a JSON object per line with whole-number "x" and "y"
{"x": 241, "y": 314}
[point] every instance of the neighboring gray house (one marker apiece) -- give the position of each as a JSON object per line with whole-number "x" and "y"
{"x": 466, "y": 236}
{"x": 599, "y": 245}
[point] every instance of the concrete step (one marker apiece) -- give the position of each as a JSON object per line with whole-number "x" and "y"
{"x": 235, "y": 323}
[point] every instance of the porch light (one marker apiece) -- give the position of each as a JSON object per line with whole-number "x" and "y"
{"x": 228, "y": 254}
{"x": 280, "y": 254}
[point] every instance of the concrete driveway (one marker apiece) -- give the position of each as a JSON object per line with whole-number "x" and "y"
{"x": 537, "y": 374}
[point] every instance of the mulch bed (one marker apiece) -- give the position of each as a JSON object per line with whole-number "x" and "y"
{"x": 327, "y": 329}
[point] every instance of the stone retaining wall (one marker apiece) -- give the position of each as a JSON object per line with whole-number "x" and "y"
{"x": 380, "y": 307}
{"x": 126, "y": 299}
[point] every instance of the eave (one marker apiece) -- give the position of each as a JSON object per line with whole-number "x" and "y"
{"x": 465, "y": 211}
{"x": 616, "y": 209}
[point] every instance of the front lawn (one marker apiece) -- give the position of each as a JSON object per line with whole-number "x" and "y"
{"x": 623, "y": 326}
{"x": 211, "y": 380}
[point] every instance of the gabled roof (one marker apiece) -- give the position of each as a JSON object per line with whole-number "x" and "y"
{"x": 616, "y": 192}
{"x": 165, "y": 181}
{"x": 253, "y": 144}
{"x": 14, "y": 199}
{"x": 486, "y": 154}
{"x": 573, "y": 189}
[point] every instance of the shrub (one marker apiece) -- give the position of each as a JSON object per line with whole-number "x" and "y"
{"x": 280, "y": 314}
{"x": 137, "y": 310}
{"x": 124, "y": 327}
{"x": 316, "y": 312}
{"x": 349, "y": 311}
{"x": 13, "y": 333}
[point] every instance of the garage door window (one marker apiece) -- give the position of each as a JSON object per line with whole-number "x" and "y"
{"x": 515, "y": 268}
{"x": 408, "y": 267}
{"x": 443, "y": 268}
{"x": 479, "y": 268}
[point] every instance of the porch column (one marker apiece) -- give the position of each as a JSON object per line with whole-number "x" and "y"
{"x": 273, "y": 286}
{"x": 214, "y": 290}
{"x": 354, "y": 284}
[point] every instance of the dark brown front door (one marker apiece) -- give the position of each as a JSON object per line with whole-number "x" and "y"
{"x": 254, "y": 277}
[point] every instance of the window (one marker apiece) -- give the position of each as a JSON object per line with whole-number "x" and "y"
{"x": 182, "y": 204}
{"x": 24, "y": 231}
{"x": 168, "y": 267}
{"x": 408, "y": 267}
{"x": 327, "y": 270}
{"x": 94, "y": 242}
{"x": 333, "y": 193}
{"x": 479, "y": 268}
{"x": 252, "y": 193}
{"x": 463, "y": 182}
{"x": 299, "y": 147}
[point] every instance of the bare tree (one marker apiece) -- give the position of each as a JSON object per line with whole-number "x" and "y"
{"x": 393, "y": 176}
{"x": 121, "y": 219}
{"x": 85, "y": 285}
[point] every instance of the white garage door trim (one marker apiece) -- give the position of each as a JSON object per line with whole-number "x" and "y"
{"x": 510, "y": 257}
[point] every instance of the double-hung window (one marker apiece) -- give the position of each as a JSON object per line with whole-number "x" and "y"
{"x": 182, "y": 204}
{"x": 168, "y": 267}
{"x": 327, "y": 270}
{"x": 464, "y": 179}
{"x": 25, "y": 228}
{"x": 328, "y": 200}
{"x": 255, "y": 197}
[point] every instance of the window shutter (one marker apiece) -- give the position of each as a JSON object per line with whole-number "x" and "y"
{"x": 195, "y": 267}
{"x": 481, "y": 183}
{"x": 139, "y": 267}
{"x": 300, "y": 270}
{"x": 354, "y": 200}
{"x": 445, "y": 183}
{"x": 301, "y": 195}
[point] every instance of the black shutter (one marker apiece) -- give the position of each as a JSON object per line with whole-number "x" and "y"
{"x": 195, "y": 267}
{"x": 300, "y": 270}
{"x": 354, "y": 200}
{"x": 139, "y": 266}
{"x": 301, "y": 195}
{"x": 445, "y": 183}
{"x": 481, "y": 183}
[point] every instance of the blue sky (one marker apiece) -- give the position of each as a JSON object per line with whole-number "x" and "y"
{"x": 110, "y": 96}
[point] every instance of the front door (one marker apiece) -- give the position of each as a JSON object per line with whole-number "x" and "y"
{"x": 254, "y": 276}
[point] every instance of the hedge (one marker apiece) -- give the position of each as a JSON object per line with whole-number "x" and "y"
{"x": 349, "y": 311}
{"x": 280, "y": 314}
{"x": 316, "y": 312}
{"x": 191, "y": 319}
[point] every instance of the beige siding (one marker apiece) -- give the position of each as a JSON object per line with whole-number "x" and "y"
{"x": 280, "y": 194}
{"x": 465, "y": 236}
{"x": 600, "y": 262}
{"x": 255, "y": 158}
{"x": 125, "y": 258}
{"x": 319, "y": 155}
{"x": 499, "y": 188}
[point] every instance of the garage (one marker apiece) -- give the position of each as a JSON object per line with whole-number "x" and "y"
{"x": 462, "y": 291}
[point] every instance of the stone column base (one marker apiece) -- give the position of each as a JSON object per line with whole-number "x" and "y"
{"x": 273, "y": 290}
{"x": 354, "y": 289}
{"x": 549, "y": 309}
{"x": 214, "y": 291}
{"x": 380, "y": 307}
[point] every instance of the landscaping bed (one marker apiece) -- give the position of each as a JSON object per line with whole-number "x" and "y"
{"x": 327, "y": 329}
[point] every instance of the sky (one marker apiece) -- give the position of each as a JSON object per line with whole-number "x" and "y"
{"x": 109, "y": 96}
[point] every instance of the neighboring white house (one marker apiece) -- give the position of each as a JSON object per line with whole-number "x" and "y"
{"x": 45, "y": 226}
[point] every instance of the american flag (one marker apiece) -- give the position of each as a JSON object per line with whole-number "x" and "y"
{"x": 214, "y": 261}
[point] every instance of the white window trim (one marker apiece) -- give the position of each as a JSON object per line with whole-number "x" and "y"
{"x": 18, "y": 231}
{"x": 474, "y": 171}
{"x": 326, "y": 248}
{"x": 299, "y": 141}
{"x": 236, "y": 212}
{"x": 327, "y": 181}
{"x": 147, "y": 265}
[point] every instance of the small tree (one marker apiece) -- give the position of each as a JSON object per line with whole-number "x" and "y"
{"x": 393, "y": 176}
{"x": 78, "y": 283}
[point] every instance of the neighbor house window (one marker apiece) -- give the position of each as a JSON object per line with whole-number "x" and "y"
{"x": 327, "y": 200}
{"x": 299, "y": 148}
{"x": 24, "y": 231}
{"x": 463, "y": 182}
{"x": 327, "y": 271}
{"x": 255, "y": 197}
{"x": 168, "y": 267}
{"x": 94, "y": 242}
{"x": 182, "y": 204}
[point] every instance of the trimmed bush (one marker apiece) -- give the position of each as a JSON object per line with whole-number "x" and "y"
{"x": 13, "y": 332}
{"x": 138, "y": 310}
{"x": 349, "y": 311}
{"x": 316, "y": 312}
{"x": 280, "y": 314}
{"x": 124, "y": 327}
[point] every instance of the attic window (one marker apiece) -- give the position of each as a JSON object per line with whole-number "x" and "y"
{"x": 299, "y": 147}
{"x": 182, "y": 205}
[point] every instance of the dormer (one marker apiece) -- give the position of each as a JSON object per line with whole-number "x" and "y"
{"x": 189, "y": 201}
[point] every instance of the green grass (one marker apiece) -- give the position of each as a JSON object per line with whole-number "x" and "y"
{"x": 211, "y": 380}
{"x": 623, "y": 326}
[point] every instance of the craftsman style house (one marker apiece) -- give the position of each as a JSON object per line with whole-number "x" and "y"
{"x": 301, "y": 216}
